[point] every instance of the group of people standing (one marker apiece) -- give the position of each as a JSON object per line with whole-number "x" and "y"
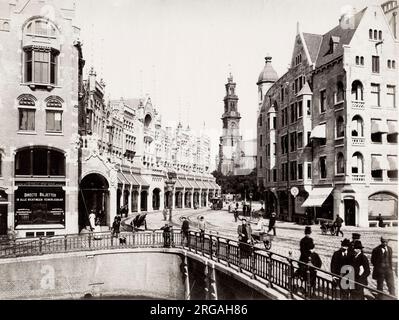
{"x": 351, "y": 265}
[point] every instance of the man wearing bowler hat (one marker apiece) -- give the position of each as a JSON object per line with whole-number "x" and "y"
{"x": 340, "y": 259}
{"x": 361, "y": 267}
{"x": 355, "y": 237}
{"x": 381, "y": 259}
{"x": 305, "y": 246}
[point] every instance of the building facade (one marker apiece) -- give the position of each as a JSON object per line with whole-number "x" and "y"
{"x": 330, "y": 124}
{"x": 128, "y": 158}
{"x": 236, "y": 156}
{"x": 40, "y": 65}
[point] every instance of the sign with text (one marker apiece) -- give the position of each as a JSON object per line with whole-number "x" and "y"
{"x": 39, "y": 205}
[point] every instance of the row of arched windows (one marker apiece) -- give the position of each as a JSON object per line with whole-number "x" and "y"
{"x": 357, "y": 163}
{"x": 375, "y": 34}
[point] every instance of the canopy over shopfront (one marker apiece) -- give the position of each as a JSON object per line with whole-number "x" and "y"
{"x": 317, "y": 197}
{"x": 319, "y": 132}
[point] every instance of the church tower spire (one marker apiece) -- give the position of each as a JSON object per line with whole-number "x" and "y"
{"x": 231, "y": 138}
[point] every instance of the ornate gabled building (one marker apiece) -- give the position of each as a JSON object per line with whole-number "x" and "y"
{"x": 127, "y": 157}
{"x": 329, "y": 125}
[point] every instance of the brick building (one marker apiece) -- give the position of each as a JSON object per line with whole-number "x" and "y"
{"x": 40, "y": 66}
{"x": 329, "y": 125}
{"x": 128, "y": 156}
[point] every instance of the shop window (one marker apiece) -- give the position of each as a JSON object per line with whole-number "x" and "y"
{"x": 53, "y": 121}
{"x": 323, "y": 167}
{"x": 41, "y": 66}
{"x": 340, "y": 163}
{"x": 357, "y": 91}
{"x": 375, "y": 64}
{"x": 391, "y": 96}
{"x": 375, "y": 94}
{"x": 323, "y": 101}
{"x": 300, "y": 171}
{"x": 26, "y": 119}
{"x": 38, "y": 161}
{"x": 340, "y": 127}
{"x": 340, "y": 94}
{"x": 357, "y": 126}
{"x": 357, "y": 163}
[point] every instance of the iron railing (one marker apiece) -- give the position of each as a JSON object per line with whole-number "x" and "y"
{"x": 273, "y": 269}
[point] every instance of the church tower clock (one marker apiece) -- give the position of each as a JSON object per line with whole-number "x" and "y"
{"x": 230, "y": 141}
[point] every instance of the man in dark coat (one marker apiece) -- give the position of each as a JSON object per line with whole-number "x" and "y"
{"x": 338, "y": 225}
{"x": 185, "y": 230}
{"x": 361, "y": 267}
{"x": 272, "y": 223}
{"x": 314, "y": 261}
{"x": 339, "y": 259}
{"x": 381, "y": 259}
{"x": 245, "y": 238}
{"x": 305, "y": 244}
{"x": 167, "y": 231}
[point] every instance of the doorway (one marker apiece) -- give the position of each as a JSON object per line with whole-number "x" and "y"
{"x": 350, "y": 212}
{"x": 3, "y": 219}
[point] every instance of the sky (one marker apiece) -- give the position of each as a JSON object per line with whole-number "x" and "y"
{"x": 180, "y": 52}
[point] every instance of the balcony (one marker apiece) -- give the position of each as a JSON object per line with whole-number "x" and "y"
{"x": 358, "y": 105}
{"x": 358, "y": 141}
{"x": 148, "y": 135}
{"x": 358, "y": 177}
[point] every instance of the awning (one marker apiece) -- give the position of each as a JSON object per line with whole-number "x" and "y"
{"x": 316, "y": 197}
{"x": 318, "y": 132}
{"x": 141, "y": 180}
{"x": 393, "y": 162}
{"x": 201, "y": 184}
{"x": 378, "y": 126}
{"x": 194, "y": 184}
{"x": 122, "y": 179}
{"x": 178, "y": 184}
{"x": 378, "y": 163}
{"x": 392, "y": 127}
{"x": 131, "y": 179}
{"x": 208, "y": 185}
{"x": 214, "y": 185}
{"x": 185, "y": 184}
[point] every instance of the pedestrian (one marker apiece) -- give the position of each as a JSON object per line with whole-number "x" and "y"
{"x": 361, "y": 267}
{"x": 340, "y": 259}
{"x": 314, "y": 261}
{"x": 185, "y": 231}
{"x": 380, "y": 221}
{"x": 167, "y": 230}
{"x": 381, "y": 259}
{"x": 338, "y": 225}
{"x": 165, "y": 214}
{"x": 244, "y": 238}
{"x": 305, "y": 246}
{"x": 11, "y": 235}
{"x": 235, "y": 215}
{"x": 261, "y": 225}
{"x": 202, "y": 227}
{"x": 92, "y": 220}
{"x": 272, "y": 223}
{"x": 116, "y": 225}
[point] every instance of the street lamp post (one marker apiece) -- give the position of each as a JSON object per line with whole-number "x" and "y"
{"x": 170, "y": 183}
{"x": 250, "y": 204}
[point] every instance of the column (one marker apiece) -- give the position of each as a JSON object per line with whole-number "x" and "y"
{"x": 183, "y": 205}
{"x": 192, "y": 199}
{"x": 206, "y": 198}
{"x": 173, "y": 199}
{"x": 129, "y": 201}
{"x": 139, "y": 200}
{"x": 112, "y": 203}
{"x": 149, "y": 201}
{"x": 162, "y": 199}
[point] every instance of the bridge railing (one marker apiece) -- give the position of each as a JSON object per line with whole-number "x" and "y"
{"x": 297, "y": 278}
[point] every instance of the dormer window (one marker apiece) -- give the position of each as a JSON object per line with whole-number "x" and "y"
{"x": 334, "y": 42}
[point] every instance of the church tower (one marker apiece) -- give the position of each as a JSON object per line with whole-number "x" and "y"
{"x": 230, "y": 141}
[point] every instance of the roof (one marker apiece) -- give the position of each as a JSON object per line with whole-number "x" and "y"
{"x": 268, "y": 73}
{"x": 343, "y": 34}
{"x": 305, "y": 90}
{"x": 313, "y": 42}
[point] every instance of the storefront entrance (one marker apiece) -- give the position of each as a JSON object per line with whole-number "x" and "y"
{"x": 350, "y": 212}
{"x": 94, "y": 196}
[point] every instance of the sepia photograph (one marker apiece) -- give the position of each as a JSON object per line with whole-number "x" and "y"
{"x": 187, "y": 150}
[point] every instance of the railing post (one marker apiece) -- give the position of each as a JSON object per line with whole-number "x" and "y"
{"x": 210, "y": 247}
{"x": 112, "y": 240}
{"x": 89, "y": 237}
{"x": 308, "y": 284}
{"x": 228, "y": 252}
{"x": 40, "y": 245}
{"x": 218, "y": 249}
{"x": 270, "y": 269}
{"x": 196, "y": 242}
{"x": 291, "y": 278}
{"x": 66, "y": 242}
{"x": 253, "y": 262}
{"x": 153, "y": 238}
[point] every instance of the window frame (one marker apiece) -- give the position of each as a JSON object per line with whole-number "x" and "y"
{"x": 48, "y": 75}
{"x": 323, "y": 101}
{"x": 30, "y": 110}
